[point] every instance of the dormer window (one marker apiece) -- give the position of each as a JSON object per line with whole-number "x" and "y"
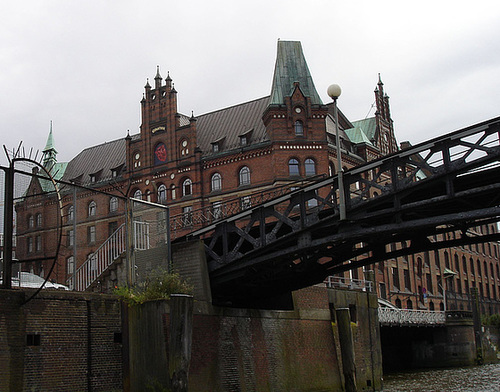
{"x": 115, "y": 172}
{"x": 245, "y": 137}
{"x": 93, "y": 178}
{"x": 218, "y": 144}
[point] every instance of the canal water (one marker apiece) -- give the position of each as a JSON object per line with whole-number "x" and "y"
{"x": 484, "y": 378}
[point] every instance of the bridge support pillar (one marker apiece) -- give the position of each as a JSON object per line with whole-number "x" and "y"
{"x": 347, "y": 348}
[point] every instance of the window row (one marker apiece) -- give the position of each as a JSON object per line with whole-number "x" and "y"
{"x": 35, "y": 219}
{"x": 294, "y": 167}
{"x": 92, "y": 209}
{"x": 34, "y": 244}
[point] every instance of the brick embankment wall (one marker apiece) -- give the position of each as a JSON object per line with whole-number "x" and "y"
{"x": 60, "y": 341}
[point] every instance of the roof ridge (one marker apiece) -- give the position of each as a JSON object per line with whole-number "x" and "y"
{"x": 233, "y": 106}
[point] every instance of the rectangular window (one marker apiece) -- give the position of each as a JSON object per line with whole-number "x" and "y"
{"x": 70, "y": 265}
{"x": 70, "y": 238}
{"x": 30, "y": 244}
{"x": 383, "y": 293}
{"x": 406, "y": 274}
{"x": 33, "y": 339}
{"x": 395, "y": 277}
{"x": 91, "y": 234}
{"x": 430, "y": 289}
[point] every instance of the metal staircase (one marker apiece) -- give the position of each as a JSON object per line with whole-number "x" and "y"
{"x": 111, "y": 250}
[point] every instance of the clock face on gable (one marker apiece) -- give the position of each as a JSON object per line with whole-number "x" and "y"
{"x": 160, "y": 154}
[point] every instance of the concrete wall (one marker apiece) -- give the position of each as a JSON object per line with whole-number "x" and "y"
{"x": 60, "y": 341}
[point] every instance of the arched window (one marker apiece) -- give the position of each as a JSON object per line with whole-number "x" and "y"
{"x": 216, "y": 182}
{"x": 92, "y": 208}
{"x": 172, "y": 187}
{"x": 464, "y": 264}
{"x": 471, "y": 262}
{"x": 299, "y": 128}
{"x": 162, "y": 193}
{"x": 331, "y": 169}
{"x": 38, "y": 220}
{"x": 187, "y": 187}
{"x": 244, "y": 176}
{"x": 113, "y": 204}
{"x": 71, "y": 213}
{"x": 31, "y": 221}
{"x": 409, "y": 304}
{"x": 310, "y": 167}
{"x": 478, "y": 268}
{"x": 293, "y": 167}
{"x": 137, "y": 194}
{"x": 398, "y": 303}
{"x": 431, "y": 306}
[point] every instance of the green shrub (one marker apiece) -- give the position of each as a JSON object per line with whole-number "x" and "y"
{"x": 159, "y": 285}
{"x": 493, "y": 320}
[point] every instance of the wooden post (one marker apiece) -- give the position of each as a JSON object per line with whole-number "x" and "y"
{"x": 179, "y": 353}
{"x": 476, "y": 317}
{"x": 346, "y": 348}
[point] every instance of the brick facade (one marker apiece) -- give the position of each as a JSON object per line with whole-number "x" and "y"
{"x": 60, "y": 342}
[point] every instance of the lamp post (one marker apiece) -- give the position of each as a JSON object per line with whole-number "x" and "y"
{"x": 334, "y": 92}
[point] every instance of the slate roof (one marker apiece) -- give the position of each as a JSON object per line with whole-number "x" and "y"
{"x": 98, "y": 160}
{"x": 228, "y": 124}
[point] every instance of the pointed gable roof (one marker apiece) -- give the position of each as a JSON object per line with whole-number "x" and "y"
{"x": 291, "y": 67}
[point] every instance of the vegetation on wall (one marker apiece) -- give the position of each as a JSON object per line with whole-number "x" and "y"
{"x": 493, "y": 320}
{"x": 159, "y": 285}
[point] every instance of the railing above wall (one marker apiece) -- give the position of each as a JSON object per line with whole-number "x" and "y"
{"x": 409, "y": 317}
{"x": 338, "y": 282}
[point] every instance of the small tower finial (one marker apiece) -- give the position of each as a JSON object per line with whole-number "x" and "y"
{"x": 158, "y": 77}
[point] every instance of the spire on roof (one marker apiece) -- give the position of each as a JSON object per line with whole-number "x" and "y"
{"x": 291, "y": 67}
{"x": 49, "y": 152}
{"x": 158, "y": 77}
{"x": 168, "y": 80}
{"x": 147, "y": 84}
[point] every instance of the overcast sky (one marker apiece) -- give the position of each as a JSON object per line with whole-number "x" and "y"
{"x": 84, "y": 64}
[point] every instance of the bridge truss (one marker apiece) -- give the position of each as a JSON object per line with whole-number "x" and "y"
{"x": 444, "y": 186}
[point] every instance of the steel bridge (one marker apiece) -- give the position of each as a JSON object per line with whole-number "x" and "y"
{"x": 445, "y": 185}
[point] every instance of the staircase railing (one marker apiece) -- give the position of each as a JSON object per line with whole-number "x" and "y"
{"x": 107, "y": 253}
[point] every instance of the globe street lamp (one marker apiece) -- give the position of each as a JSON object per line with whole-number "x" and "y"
{"x": 334, "y": 92}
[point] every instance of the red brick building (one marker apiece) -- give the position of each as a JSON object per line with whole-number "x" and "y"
{"x": 194, "y": 162}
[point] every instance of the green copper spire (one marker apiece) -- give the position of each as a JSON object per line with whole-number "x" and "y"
{"x": 49, "y": 152}
{"x": 291, "y": 67}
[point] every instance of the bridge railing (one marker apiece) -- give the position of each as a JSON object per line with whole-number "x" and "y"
{"x": 409, "y": 317}
{"x": 339, "y": 282}
{"x": 220, "y": 210}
